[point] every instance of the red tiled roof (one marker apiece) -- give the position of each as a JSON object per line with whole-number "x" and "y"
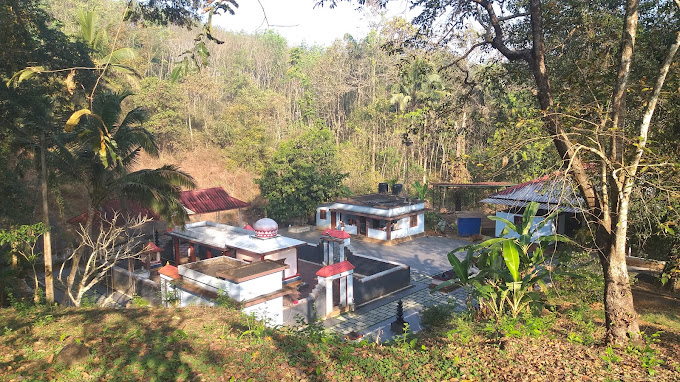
{"x": 131, "y": 208}
{"x": 150, "y": 247}
{"x": 336, "y": 233}
{"x": 335, "y": 269}
{"x": 210, "y": 200}
{"x": 170, "y": 271}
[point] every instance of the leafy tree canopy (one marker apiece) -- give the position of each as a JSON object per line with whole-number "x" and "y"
{"x": 302, "y": 174}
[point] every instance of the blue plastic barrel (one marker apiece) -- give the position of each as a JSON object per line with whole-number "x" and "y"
{"x": 469, "y": 226}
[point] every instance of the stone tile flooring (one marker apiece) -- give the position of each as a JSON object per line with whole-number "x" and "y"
{"x": 419, "y": 298}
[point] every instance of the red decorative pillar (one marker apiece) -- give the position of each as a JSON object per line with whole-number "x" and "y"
{"x": 208, "y": 254}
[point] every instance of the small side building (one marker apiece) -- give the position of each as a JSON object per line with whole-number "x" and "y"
{"x": 257, "y": 286}
{"x": 383, "y": 217}
{"x": 552, "y": 192}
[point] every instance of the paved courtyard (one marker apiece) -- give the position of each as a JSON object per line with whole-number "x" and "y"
{"x": 426, "y": 256}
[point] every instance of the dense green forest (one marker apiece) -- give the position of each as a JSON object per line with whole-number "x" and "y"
{"x": 96, "y": 104}
{"x": 394, "y": 103}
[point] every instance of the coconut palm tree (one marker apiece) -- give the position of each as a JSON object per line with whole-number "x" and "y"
{"x": 105, "y": 148}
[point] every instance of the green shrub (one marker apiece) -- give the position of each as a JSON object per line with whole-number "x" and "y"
{"x": 431, "y": 219}
{"x": 138, "y": 301}
{"x": 585, "y": 283}
{"x": 437, "y": 316}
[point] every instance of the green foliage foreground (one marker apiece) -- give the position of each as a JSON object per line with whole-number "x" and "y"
{"x": 219, "y": 344}
{"x": 198, "y": 343}
{"x": 509, "y": 268}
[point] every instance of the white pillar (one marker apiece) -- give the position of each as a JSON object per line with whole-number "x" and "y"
{"x": 343, "y": 292}
{"x": 326, "y": 250}
{"x": 350, "y": 290}
{"x": 329, "y": 297}
{"x": 342, "y": 251}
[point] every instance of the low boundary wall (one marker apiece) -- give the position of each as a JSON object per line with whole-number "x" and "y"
{"x": 380, "y": 284}
{"x": 125, "y": 282}
{"x": 374, "y": 277}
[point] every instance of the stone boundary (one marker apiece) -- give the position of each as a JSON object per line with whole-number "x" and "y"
{"x": 129, "y": 283}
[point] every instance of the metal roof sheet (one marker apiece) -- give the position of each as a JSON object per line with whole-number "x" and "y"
{"x": 475, "y": 184}
{"x": 550, "y": 191}
{"x": 210, "y": 200}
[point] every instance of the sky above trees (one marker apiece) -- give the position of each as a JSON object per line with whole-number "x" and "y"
{"x": 300, "y": 22}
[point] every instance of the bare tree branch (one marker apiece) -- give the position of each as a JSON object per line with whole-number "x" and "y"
{"x": 115, "y": 241}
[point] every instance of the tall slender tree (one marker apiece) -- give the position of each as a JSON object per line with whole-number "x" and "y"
{"x": 106, "y": 147}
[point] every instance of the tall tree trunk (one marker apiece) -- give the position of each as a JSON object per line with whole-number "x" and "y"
{"x": 47, "y": 240}
{"x": 620, "y": 315}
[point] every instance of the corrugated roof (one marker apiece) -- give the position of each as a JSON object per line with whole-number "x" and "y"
{"x": 335, "y": 269}
{"x": 551, "y": 192}
{"x": 210, "y": 200}
{"x": 475, "y": 184}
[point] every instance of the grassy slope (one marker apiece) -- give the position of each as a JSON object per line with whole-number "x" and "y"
{"x": 218, "y": 344}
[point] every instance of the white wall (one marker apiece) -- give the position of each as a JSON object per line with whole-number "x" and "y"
{"x": 270, "y": 311}
{"x": 405, "y": 228}
{"x": 323, "y": 223}
{"x": 290, "y": 256}
{"x": 548, "y": 229}
{"x": 188, "y": 299}
{"x": 260, "y": 286}
{"x": 419, "y": 228}
{"x": 377, "y": 234}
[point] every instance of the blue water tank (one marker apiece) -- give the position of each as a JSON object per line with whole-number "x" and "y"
{"x": 469, "y": 226}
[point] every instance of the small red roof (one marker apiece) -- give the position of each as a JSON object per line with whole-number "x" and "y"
{"x": 335, "y": 269}
{"x": 336, "y": 233}
{"x": 170, "y": 271}
{"x": 150, "y": 247}
{"x": 210, "y": 200}
{"x": 249, "y": 228}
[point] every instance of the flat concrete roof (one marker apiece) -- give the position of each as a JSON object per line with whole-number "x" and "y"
{"x": 224, "y": 236}
{"x": 235, "y": 270}
{"x": 379, "y": 205}
{"x": 384, "y": 201}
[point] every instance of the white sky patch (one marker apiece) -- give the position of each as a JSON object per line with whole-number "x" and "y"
{"x": 299, "y": 22}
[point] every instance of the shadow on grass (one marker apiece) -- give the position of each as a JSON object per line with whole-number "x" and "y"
{"x": 132, "y": 344}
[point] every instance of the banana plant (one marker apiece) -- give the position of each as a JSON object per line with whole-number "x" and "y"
{"x": 420, "y": 189}
{"x": 509, "y": 267}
